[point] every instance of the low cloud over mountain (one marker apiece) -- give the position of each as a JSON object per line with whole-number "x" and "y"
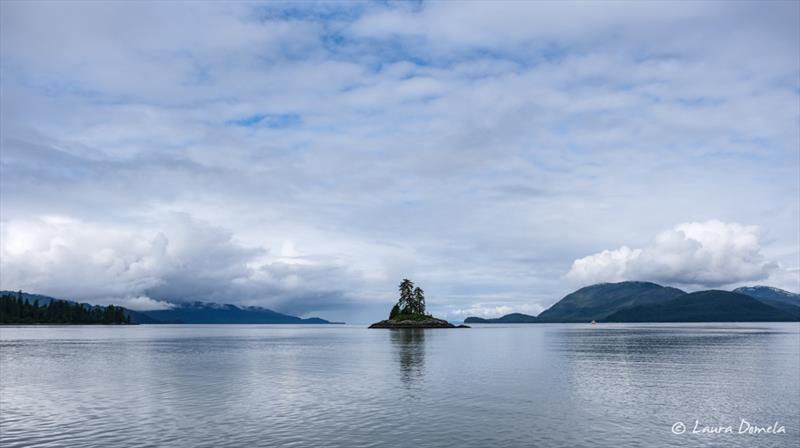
{"x": 177, "y": 260}
{"x": 696, "y": 254}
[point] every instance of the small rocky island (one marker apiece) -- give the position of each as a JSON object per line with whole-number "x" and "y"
{"x": 409, "y": 312}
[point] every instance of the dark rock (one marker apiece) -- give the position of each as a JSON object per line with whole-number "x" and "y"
{"x": 424, "y": 323}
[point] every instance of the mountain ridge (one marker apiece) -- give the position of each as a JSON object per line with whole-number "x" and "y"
{"x": 198, "y": 313}
{"x": 513, "y": 318}
{"x": 226, "y": 313}
{"x": 600, "y": 301}
{"x": 779, "y": 298}
{"x": 595, "y": 302}
{"x": 704, "y": 306}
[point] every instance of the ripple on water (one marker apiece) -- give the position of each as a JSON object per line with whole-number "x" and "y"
{"x": 344, "y": 386}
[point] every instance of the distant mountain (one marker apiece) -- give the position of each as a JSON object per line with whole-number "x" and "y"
{"x": 215, "y": 313}
{"x": 650, "y": 302}
{"x": 138, "y": 317}
{"x": 770, "y": 293}
{"x": 775, "y": 297}
{"x": 599, "y": 301}
{"x": 704, "y": 306}
{"x": 513, "y": 318}
{"x": 197, "y": 313}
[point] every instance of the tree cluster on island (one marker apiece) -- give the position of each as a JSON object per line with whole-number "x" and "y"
{"x": 16, "y": 310}
{"x": 409, "y": 312}
{"x": 411, "y": 304}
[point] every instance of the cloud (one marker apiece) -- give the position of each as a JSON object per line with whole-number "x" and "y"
{"x": 697, "y": 254}
{"x": 140, "y": 303}
{"x": 184, "y": 260}
{"x": 502, "y": 25}
{"x": 478, "y": 148}
{"x": 89, "y": 259}
{"x": 491, "y": 311}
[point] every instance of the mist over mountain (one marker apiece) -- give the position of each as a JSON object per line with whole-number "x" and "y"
{"x": 215, "y": 313}
{"x": 196, "y": 313}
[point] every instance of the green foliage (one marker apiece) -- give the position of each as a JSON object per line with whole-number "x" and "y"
{"x": 406, "y": 296}
{"x": 412, "y": 300}
{"x": 414, "y": 317}
{"x": 395, "y": 311}
{"x": 13, "y": 310}
{"x": 419, "y": 301}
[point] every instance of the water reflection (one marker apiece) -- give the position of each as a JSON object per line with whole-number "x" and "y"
{"x": 409, "y": 347}
{"x": 679, "y": 372}
{"x": 342, "y": 386}
{"x": 645, "y": 343}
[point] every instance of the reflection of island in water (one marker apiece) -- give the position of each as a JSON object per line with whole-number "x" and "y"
{"x": 409, "y": 345}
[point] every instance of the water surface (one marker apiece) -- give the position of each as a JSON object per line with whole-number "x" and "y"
{"x": 545, "y": 385}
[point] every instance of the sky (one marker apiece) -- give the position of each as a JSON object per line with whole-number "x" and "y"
{"x": 307, "y": 157}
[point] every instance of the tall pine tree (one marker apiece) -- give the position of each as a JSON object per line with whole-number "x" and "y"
{"x": 406, "y": 302}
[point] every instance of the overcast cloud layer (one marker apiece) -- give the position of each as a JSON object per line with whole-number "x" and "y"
{"x": 306, "y": 157}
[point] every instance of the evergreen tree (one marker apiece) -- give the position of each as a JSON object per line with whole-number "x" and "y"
{"x": 395, "y": 311}
{"x": 406, "y": 302}
{"x": 419, "y": 301}
{"x": 18, "y": 310}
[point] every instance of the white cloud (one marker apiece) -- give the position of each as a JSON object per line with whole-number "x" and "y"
{"x": 488, "y": 310}
{"x": 139, "y": 303}
{"x": 177, "y": 260}
{"x": 477, "y": 148}
{"x": 504, "y": 24}
{"x": 696, "y": 254}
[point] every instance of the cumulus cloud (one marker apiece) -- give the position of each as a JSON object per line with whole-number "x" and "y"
{"x": 89, "y": 259}
{"x": 696, "y": 254}
{"x": 184, "y": 260}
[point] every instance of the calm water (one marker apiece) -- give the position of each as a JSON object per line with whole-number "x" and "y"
{"x": 346, "y": 386}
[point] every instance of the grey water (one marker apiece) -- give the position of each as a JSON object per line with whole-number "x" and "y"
{"x": 547, "y": 385}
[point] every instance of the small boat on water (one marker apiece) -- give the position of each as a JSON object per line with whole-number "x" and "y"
{"x": 594, "y": 323}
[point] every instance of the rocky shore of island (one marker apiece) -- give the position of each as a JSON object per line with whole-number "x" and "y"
{"x": 429, "y": 322}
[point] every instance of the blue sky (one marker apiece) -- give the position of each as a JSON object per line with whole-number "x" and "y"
{"x": 308, "y": 156}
